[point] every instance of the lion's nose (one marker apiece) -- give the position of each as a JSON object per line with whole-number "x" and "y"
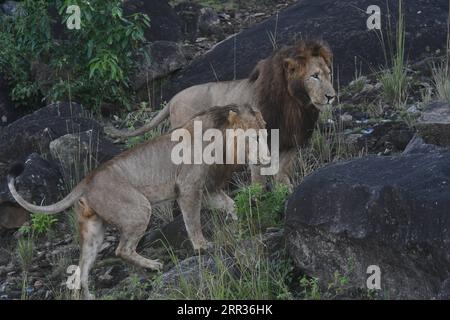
{"x": 330, "y": 98}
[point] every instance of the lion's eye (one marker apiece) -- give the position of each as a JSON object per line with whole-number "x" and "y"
{"x": 315, "y": 76}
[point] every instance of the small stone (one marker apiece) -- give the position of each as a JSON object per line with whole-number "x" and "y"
{"x": 412, "y": 109}
{"x": 367, "y": 88}
{"x": 224, "y": 16}
{"x": 38, "y": 284}
{"x": 367, "y": 131}
{"x": 346, "y": 117}
{"x": 201, "y": 39}
{"x": 259, "y": 14}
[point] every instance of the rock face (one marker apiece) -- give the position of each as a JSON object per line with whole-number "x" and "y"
{"x": 24, "y": 139}
{"x": 34, "y": 132}
{"x": 426, "y": 22}
{"x": 189, "y": 271}
{"x": 434, "y": 124}
{"x": 386, "y": 211}
{"x": 387, "y": 137}
{"x": 417, "y": 145}
{"x": 40, "y": 183}
{"x": 197, "y": 21}
{"x": 80, "y": 153}
{"x": 164, "y": 22}
{"x": 166, "y": 57}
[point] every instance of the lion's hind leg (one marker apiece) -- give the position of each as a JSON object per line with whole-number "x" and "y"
{"x": 127, "y": 249}
{"x": 132, "y": 224}
{"x": 92, "y": 232}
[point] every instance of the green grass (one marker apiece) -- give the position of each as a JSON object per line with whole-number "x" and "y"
{"x": 242, "y": 266}
{"x": 441, "y": 81}
{"x": 394, "y": 80}
{"x": 25, "y": 251}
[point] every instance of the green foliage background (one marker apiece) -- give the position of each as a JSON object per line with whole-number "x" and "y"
{"x": 91, "y": 65}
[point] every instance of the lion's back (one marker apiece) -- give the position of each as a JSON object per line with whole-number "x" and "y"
{"x": 196, "y": 99}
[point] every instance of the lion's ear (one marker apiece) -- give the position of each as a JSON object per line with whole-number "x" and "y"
{"x": 232, "y": 117}
{"x": 327, "y": 55}
{"x": 290, "y": 64}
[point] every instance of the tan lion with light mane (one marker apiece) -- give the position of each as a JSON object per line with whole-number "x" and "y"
{"x": 289, "y": 88}
{"x": 123, "y": 190}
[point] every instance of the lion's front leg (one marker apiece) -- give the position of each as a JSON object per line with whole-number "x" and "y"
{"x": 256, "y": 176}
{"x": 221, "y": 201}
{"x": 287, "y": 161}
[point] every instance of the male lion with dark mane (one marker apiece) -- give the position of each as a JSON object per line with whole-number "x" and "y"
{"x": 289, "y": 87}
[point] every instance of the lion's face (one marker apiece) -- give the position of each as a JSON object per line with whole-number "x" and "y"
{"x": 311, "y": 78}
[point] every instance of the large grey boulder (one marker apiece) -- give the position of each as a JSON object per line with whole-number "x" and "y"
{"x": 340, "y": 22}
{"x": 80, "y": 153}
{"x": 392, "y": 212}
{"x": 40, "y": 183}
{"x": 166, "y": 57}
{"x": 418, "y": 145}
{"x": 28, "y": 140}
{"x": 164, "y": 22}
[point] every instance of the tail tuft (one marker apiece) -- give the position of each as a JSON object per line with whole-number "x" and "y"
{"x": 16, "y": 170}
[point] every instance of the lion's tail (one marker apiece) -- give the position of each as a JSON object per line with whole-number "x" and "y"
{"x": 163, "y": 114}
{"x": 60, "y": 206}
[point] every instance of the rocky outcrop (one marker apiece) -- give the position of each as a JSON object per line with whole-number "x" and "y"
{"x": 190, "y": 271}
{"x": 34, "y": 132}
{"x": 387, "y": 137}
{"x": 67, "y": 126}
{"x": 426, "y": 23}
{"x": 80, "y": 153}
{"x": 417, "y": 145}
{"x": 386, "y": 211}
{"x": 197, "y": 20}
{"x": 164, "y": 22}
{"x": 434, "y": 124}
{"x": 166, "y": 57}
{"x": 40, "y": 183}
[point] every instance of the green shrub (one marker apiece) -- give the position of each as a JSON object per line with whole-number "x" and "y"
{"x": 92, "y": 66}
{"x": 41, "y": 224}
{"x": 260, "y": 208}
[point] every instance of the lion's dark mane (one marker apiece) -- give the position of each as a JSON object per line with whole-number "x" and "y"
{"x": 295, "y": 117}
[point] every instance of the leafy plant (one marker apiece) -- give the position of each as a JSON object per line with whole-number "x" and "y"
{"x": 310, "y": 288}
{"x": 41, "y": 224}
{"x": 261, "y": 208}
{"x": 91, "y": 65}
